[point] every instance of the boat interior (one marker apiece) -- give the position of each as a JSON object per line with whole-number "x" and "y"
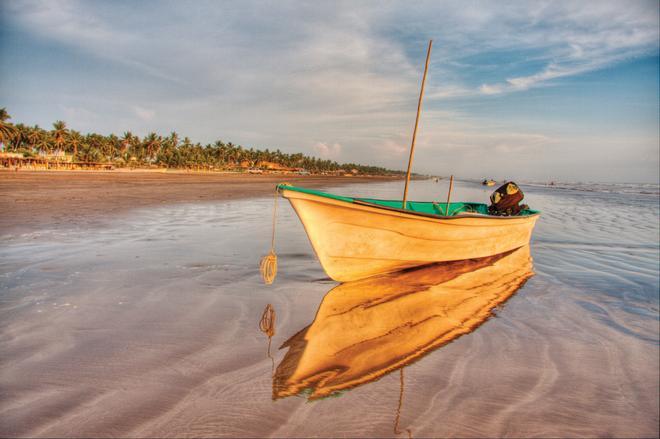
{"x": 421, "y": 207}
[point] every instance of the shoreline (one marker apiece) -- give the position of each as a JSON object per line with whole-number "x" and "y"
{"x": 33, "y": 200}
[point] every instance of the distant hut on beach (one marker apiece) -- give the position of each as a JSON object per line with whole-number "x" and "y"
{"x": 18, "y": 161}
{"x": 278, "y": 168}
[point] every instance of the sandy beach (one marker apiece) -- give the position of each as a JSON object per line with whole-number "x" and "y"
{"x": 329, "y": 219}
{"x": 149, "y": 325}
{"x": 33, "y": 200}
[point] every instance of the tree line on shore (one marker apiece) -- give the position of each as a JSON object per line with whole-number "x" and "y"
{"x": 155, "y": 150}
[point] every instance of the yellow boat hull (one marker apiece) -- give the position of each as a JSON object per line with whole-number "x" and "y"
{"x": 355, "y": 241}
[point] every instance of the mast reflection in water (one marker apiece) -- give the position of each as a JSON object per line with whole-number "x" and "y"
{"x": 366, "y": 329}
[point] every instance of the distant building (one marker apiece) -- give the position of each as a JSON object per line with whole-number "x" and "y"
{"x": 276, "y": 167}
{"x": 58, "y": 155}
{"x": 271, "y": 166}
{"x": 11, "y": 155}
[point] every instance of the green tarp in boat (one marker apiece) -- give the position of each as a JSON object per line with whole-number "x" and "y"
{"x": 425, "y": 207}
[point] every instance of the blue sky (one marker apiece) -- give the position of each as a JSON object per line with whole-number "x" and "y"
{"x": 521, "y": 90}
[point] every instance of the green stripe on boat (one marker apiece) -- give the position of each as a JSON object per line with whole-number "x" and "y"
{"x": 314, "y": 192}
{"x": 426, "y": 207}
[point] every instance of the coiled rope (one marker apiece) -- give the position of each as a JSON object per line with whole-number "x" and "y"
{"x": 268, "y": 265}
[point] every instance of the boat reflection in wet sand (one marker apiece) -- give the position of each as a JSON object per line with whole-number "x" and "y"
{"x": 366, "y": 329}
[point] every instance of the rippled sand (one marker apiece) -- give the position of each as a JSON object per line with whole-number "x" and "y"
{"x": 150, "y": 327}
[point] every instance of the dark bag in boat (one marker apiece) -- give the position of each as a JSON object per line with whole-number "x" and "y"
{"x": 504, "y": 201}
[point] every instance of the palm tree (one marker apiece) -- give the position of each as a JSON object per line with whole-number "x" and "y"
{"x": 44, "y": 142}
{"x": 7, "y": 130}
{"x": 59, "y": 134}
{"x": 174, "y": 139}
{"x": 152, "y": 144}
{"x": 126, "y": 141}
{"x": 33, "y": 136}
{"x": 20, "y": 136}
{"x": 234, "y": 153}
{"x": 111, "y": 147}
{"x": 168, "y": 151}
{"x": 74, "y": 140}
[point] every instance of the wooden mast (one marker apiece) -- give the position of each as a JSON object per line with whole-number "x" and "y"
{"x": 451, "y": 185}
{"x": 419, "y": 108}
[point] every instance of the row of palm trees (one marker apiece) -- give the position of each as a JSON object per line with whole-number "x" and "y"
{"x": 154, "y": 150}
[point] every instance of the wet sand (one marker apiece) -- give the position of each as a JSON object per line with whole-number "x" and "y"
{"x": 33, "y": 200}
{"x": 149, "y": 327}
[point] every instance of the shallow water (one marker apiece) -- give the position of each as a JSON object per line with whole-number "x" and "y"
{"x": 148, "y": 325}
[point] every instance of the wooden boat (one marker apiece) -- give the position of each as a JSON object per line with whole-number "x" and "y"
{"x": 488, "y": 182}
{"x": 366, "y": 329}
{"x": 355, "y": 238}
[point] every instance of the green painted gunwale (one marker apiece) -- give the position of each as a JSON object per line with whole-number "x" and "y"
{"x": 422, "y": 207}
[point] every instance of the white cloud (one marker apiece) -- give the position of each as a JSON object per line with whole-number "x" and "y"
{"x": 328, "y": 151}
{"x": 569, "y": 38}
{"x": 392, "y": 147}
{"x": 143, "y": 113}
{"x": 490, "y": 89}
{"x": 341, "y": 54}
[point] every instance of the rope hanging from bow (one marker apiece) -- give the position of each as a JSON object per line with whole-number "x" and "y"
{"x": 268, "y": 265}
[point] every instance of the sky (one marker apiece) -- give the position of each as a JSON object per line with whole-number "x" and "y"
{"x": 527, "y": 90}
